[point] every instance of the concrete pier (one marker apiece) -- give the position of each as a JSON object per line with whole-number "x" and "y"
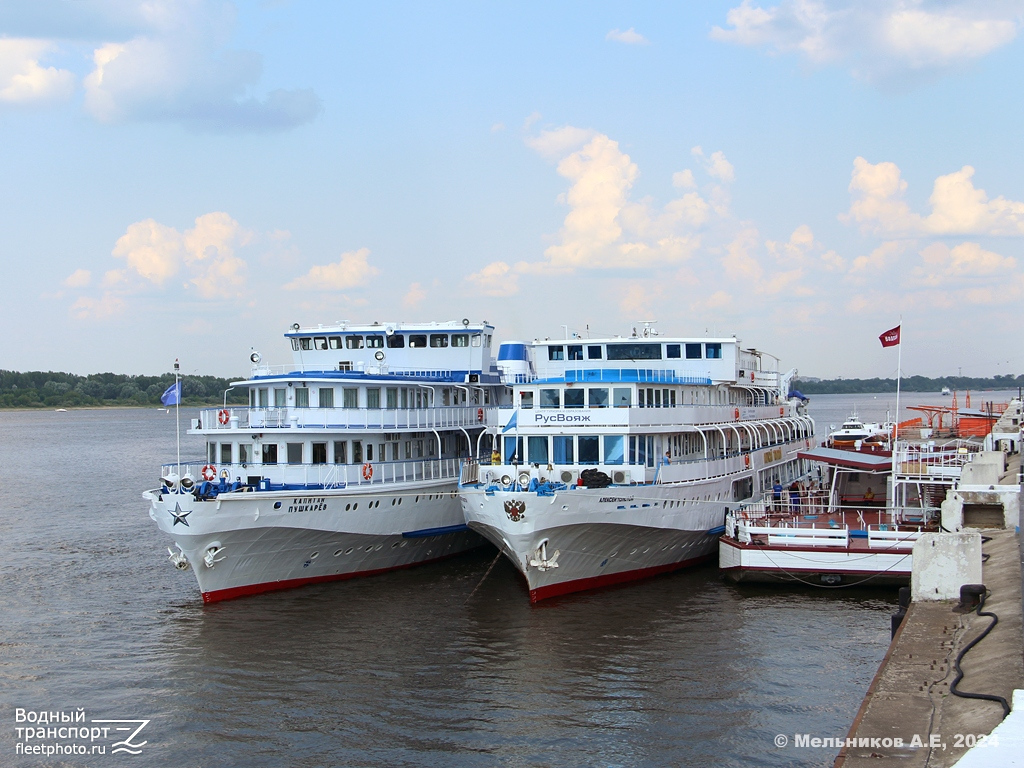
{"x": 910, "y": 696}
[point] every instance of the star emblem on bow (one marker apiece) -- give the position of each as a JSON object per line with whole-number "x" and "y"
{"x": 179, "y": 516}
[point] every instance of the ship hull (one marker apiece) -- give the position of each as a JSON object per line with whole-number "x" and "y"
{"x": 249, "y": 543}
{"x": 602, "y": 537}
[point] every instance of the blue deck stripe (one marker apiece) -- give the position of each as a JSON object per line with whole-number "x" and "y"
{"x": 423, "y": 533}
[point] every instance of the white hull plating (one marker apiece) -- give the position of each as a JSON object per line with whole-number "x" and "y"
{"x": 601, "y": 536}
{"x": 246, "y": 543}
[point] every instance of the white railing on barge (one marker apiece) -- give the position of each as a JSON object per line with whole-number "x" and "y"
{"x": 328, "y": 475}
{"x": 246, "y": 418}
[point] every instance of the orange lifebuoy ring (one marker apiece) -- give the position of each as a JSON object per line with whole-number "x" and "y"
{"x": 736, "y": 414}
{"x": 746, "y": 459}
{"x": 209, "y": 472}
{"x": 367, "y": 471}
{"x": 223, "y": 416}
{"x": 479, "y": 414}
{"x": 782, "y": 411}
{"x": 751, "y": 375}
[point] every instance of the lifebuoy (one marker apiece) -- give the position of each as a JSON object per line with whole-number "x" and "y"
{"x": 751, "y": 375}
{"x": 209, "y": 472}
{"x": 367, "y": 471}
{"x": 223, "y": 416}
{"x": 746, "y": 459}
{"x": 736, "y": 413}
{"x": 782, "y": 411}
{"x": 479, "y": 414}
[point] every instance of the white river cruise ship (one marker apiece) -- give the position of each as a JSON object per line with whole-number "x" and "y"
{"x": 343, "y": 464}
{"x": 619, "y": 457}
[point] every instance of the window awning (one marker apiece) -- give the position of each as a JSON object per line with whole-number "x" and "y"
{"x": 867, "y": 462}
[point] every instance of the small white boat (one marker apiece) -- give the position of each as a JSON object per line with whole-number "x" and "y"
{"x": 946, "y": 391}
{"x": 854, "y": 431}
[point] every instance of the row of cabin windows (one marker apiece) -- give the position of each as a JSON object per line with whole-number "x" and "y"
{"x": 621, "y": 397}
{"x": 580, "y": 449}
{"x": 393, "y": 397}
{"x": 711, "y": 350}
{"x": 341, "y": 452}
{"x": 394, "y": 341}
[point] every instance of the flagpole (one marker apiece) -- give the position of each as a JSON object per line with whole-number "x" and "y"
{"x": 177, "y": 416}
{"x": 896, "y": 429}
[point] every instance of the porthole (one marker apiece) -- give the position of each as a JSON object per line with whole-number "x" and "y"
{"x": 355, "y": 506}
{"x": 378, "y": 548}
{"x": 399, "y": 501}
{"x": 338, "y": 552}
{"x": 349, "y": 551}
{"x": 403, "y": 543}
{"x": 277, "y": 505}
{"x": 314, "y": 556}
{"x": 633, "y": 552}
{"x": 395, "y": 545}
{"x": 613, "y": 554}
{"x": 393, "y": 502}
{"x": 348, "y": 507}
{"x": 417, "y": 498}
{"x": 370, "y": 548}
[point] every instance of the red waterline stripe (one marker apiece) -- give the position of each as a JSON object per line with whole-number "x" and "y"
{"x": 273, "y": 586}
{"x": 596, "y": 582}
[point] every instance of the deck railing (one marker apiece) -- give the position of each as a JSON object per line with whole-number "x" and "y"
{"x": 443, "y": 417}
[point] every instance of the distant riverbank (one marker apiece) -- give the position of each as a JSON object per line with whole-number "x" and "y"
{"x": 908, "y": 384}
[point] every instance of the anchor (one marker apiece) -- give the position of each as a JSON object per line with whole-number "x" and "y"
{"x": 540, "y": 559}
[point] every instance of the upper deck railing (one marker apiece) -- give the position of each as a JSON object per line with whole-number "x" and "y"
{"x": 361, "y": 369}
{"x": 443, "y": 417}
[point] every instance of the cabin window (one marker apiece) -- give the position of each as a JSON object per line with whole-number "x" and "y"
{"x": 374, "y": 342}
{"x": 264, "y": 397}
{"x": 622, "y": 397}
{"x": 641, "y": 400}
{"x": 590, "y": 450}
{"x": 549, "y": 398}
{"x": 713, "y": 351}
{"x": 280, "y": 397}
{"x": 634, "y": 351}
{"x": 225, "y": 453}
{"x": 598, "y": 397}
{"x": 320, "y": 342}
{"x": 594, "y": 352}
{"x": 460, "y": 339}
{"x": 487, "y": 340}
{"x": 562, "y": 449}
{"x": 373, "y": 397}
{"x": 301, "y": 397}
{"x": 326, "y": 396}
{"x": 476, "y": 340}
{"x": 391, "y": 397}
{"x": 574, "y": 398}
{"x": 396, "y": 341}
{"x": 514, "y": 450}
{"x": 418, "y": 340}
{"x": 672, "y": 397}
{"x": 294, "y": 453}
{"x": 657, "y": 397}
{"x": 335, "y": 342}
{"x": 357, "y": 452}
{"x": 270, "y": 453}
{"x": 244, "y": 453}
{"x": 673, "y": 351}
{"x": 419, "y": 449}
{"x": 319, "y": 453}
{"x": 353, "y": 342}
{"x": 351, "y": 397}
{"x": 556, "y": 353}
{"x": 408, "y": 449}
{"x": 693, "y": 352}
{"x": 295, "y": 345}
{"x": 526, "y": 400}
{"x": 439, "y": 340}
{"x": 614, "y": 449}
{"x": 306, "y": 343}
{"x": 369, "y": 451}
{"x": 538, "y": 450}
{"x": 340, "y": 452}
{"x": 405, "y": 398}
{"x": 575, "y": 352}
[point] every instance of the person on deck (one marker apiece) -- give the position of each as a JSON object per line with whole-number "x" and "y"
{"x": 777, "y": 496}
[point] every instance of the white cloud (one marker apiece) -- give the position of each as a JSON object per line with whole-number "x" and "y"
{"x": 878, "y": 39}
{"x": 958, "y": 207}
{"x": 684, "y": 180}
{"x": 629, "y": 36}
{"x": 352, "y": 270}
{"x": 80, "y": 278}
{"x": 496, "y": 279}
{"x": 942, "y": 264}
{"x": 555, "y": 143}
{"x": 414, "y": 296}
{"x": 716, "y": 165}
{"x": 23, "y": 81}
{"x": 89, "y": 308}
{"x": 879, "y": 259}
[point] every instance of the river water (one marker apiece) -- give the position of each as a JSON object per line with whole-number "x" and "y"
{"x": 403, "y": 669}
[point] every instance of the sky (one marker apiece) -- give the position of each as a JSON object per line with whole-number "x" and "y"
{"x": 187, "y": 178}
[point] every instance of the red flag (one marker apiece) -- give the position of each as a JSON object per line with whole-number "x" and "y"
{"x": 890, "y": 338}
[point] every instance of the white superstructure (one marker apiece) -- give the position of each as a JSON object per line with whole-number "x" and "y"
{"x": 344, "y": 463}
{"x": 619, "y": 457}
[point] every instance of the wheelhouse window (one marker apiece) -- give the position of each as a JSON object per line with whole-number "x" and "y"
{"x": 350, "y": 397}
{"x": 439, "y": 340}
{"x": 556, "y": 352}
{"x": 306, "y": 343}
{"x": 713, "y": 350}
{"x": 396, "y": 341}
{"x": 417, "y": 341}
{"x": 673, "y": 351}
{"x": 374, "y": 342}
{"x": 326, "y": 396}
{"x": 460, "y": 339}
{"x": 634, "y": 351}
{"x": 575, "y": 352}
{"x": 574, "y": 398}
{"x": 549, "y": 398}
{"x": 270, "y": 453}
{"x": 373, "y": 397}
{"x": 693, "y": 352}
{"x": 353, "y": 342}
{"x": 594, "y": 352}
{"x": 301, "y": 397}
{"x": 526, "y": 400}
{"x": 295, "y": 345}
{"x": 622, "y": 397}
{"x": 598, "y": 397}
{"x": 294, "y": 453}
{"x": 476, "y": 339}
{"x": 590, "y": 450}
{"x": 319, "y": 453}
{"x": 319, "y": 342}
{"x": 335, "y": 342}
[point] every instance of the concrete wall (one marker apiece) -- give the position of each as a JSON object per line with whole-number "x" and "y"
{"x": 943, "y": 562}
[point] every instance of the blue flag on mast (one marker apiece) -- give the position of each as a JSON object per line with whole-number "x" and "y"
{"x": 513, "y": 422}
{"x": 172, "y": 395}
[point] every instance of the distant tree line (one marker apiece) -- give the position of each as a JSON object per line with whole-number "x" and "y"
{"x": 38, "y": 389}
{"x": 909, "y": 384}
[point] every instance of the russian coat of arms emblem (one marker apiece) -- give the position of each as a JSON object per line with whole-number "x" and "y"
{"x": 516, "y": 510}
